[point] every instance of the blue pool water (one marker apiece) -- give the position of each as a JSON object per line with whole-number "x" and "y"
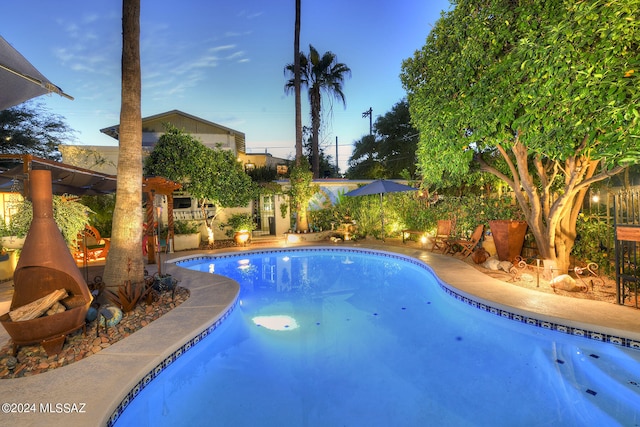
{"x": 348, "y": 338}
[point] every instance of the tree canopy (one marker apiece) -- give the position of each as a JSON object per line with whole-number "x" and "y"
{"x": 541, "y": 94}
{"x": 554, "y": 76}
{"x": 212, "y": 174}
{"x": 391, "y": 151}
{"x": 31, "y": 129}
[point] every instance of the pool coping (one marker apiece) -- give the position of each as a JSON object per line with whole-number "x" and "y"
{"x": 106, "y": 381}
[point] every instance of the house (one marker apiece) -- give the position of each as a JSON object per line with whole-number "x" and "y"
{"x": 105, "y": 158}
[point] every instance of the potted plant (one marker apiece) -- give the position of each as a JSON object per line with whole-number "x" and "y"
{"x": 507, "y": 226}
{"x": 186, "y": 235}
{"x": 241, "y": 227}
{"x": 70, "y": 216}
{"x": 12, "y": 235}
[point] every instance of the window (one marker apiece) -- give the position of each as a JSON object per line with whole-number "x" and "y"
{"x": 182, "y": 203}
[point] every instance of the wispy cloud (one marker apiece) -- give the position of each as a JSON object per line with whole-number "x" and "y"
{"x": 223, "y": 47}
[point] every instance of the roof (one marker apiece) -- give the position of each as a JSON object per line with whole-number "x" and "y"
{"x": 113, "y": 131}
{"x": 66, "y": 179}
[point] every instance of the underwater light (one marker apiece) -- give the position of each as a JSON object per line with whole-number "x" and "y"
{"x": 278, "y": 322}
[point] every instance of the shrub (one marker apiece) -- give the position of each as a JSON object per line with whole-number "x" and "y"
{"x": 186, "y": 227}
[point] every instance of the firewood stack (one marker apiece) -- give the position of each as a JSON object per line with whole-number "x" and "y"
{"x": 40, "y": 307}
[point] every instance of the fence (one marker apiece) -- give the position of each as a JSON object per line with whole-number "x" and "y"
{"x": 626, "y": 208}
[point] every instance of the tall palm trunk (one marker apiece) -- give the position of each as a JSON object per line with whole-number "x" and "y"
{"x": 125, "y": 260}
{"x": 316, "y": 105}
{"x": 296, "y": 83}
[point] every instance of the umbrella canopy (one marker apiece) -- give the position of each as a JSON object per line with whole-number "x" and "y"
{"x": 381, "y": 186}
{"x": 65, "y": 178}
{"x": 19, "y": 80}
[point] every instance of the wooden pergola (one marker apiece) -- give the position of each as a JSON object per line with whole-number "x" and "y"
{"x": 151, "y": 186}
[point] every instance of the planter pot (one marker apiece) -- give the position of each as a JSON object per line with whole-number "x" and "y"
{"x": 12, "y": 242}
{"x": 508, "y": 237}
{"x": 182, "y": 242}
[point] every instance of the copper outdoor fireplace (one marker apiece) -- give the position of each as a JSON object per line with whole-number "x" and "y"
{"x": 45, "y": 266}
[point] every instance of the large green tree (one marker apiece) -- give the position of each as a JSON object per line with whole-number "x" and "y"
{"x": 30, "y": 129}
{"x": 541, "y": 94}
{"x": 125, "y": 260}
{"x": 391, "y": 151}
{"x": 210, "y": 175}
{"x": 320, "y": 74}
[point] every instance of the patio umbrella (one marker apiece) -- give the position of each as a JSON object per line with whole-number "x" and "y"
{"x": 19, "y": 80}
{"x": 380, "y": 186}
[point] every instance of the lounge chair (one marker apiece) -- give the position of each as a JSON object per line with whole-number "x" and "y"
{"x": 468, "y": 245}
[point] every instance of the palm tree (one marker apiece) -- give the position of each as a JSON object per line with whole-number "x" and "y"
{"x": 125, "y": 260}
{"x": 324, "y": 74}
{"x": 320, "y": 74}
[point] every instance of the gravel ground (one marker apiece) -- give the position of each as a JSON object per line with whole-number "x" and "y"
{"x": 32, "y": 359}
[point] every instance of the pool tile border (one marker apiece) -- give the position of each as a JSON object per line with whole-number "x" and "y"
{"x": 157, "y": 370}
{"x": 529, "y": 320}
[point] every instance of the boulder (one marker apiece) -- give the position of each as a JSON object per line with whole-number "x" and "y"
{"x": 491, "y": 264}
{"x": 567, "y": 283}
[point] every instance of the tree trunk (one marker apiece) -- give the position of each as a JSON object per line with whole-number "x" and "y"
{"x": 316, "y": 105}
{"x": 125, "y": 260}
{"x": 296, "y": 84}
{"x": 302, "y": 220}
{"x": 550, "y": 212}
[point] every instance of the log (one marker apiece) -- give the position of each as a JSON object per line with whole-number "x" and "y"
{"x": 55, "y": 309}
{"x": 38, "y": 307}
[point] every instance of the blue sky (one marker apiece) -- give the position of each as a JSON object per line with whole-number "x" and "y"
{"x": 222, "y": 61}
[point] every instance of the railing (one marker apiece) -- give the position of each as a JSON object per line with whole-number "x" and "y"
{"x": 587, "y": 276}
{"x": 627, "y": 234}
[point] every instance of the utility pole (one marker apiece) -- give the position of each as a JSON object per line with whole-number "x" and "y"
{"x": 369, "y": 113}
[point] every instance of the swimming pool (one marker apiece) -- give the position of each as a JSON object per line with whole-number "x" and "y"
{"x": 347, "y": 337}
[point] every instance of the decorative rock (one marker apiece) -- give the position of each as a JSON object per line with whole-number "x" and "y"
{"x": 116, "y": 316}
{"x": 567, "y": 283}
{"x": 11, "y": 363}
{"x": 491, "y": 264}
{"x": 505, "y": 265}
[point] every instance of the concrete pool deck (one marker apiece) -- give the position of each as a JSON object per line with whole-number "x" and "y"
{"x": 97, "y": 384}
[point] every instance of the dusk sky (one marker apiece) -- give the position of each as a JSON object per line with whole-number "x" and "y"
{"x": 222, "y": 61}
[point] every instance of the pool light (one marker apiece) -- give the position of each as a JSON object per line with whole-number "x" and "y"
{"x": 278, "y": 322}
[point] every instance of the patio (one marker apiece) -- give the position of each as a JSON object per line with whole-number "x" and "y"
{"x": 98, "y": 384}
